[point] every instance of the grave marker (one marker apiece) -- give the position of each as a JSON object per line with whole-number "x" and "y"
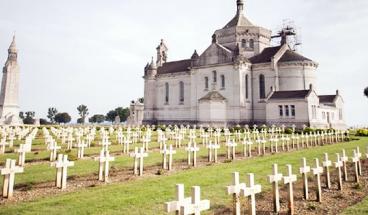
{"x": 274, "y": 179}
{"x": 197, "y": 205}
{"x": 9, "y": 172}
{"x": 289, "y": 179}
{"x": 180, "y": 200}
{"x": 317, "y": 171}
{"x": 235, "y": 190}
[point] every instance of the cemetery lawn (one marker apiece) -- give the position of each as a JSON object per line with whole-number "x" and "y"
{"x": 146, "y": 195}
{"x": 360, "y": 208}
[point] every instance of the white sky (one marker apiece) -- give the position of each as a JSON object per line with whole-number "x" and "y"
{"x": 93, "y": 52}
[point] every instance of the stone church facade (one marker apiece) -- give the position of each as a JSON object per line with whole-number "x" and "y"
{"x": 239, "y": 79}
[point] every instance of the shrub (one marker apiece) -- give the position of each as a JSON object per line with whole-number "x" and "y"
{"x": 288, "y": 131}
{"x": 362, "y": 132}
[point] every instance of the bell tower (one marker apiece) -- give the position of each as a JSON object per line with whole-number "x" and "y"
{"x": 9, "y": 108}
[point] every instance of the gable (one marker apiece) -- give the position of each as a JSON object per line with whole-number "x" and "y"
{"x": 215, "y": 54}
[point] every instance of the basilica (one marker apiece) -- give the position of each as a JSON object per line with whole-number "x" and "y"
{"x": 239, "y": 79}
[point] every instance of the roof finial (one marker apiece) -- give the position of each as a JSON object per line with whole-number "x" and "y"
{"x": 240, "y": 6}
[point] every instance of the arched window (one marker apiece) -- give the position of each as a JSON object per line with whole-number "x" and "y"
{"x": 166, "y": 93}
{"x": 223, "y": 81}
{"x": 214, "y": 76}
{"x": 262, "y": 89}
{"x": 247, "y": 86}
{"x": 251, "y": 43}
{"x": 206, "y": 83}
{"x": 181, "y": 91}
{"x": 243, "y": 43}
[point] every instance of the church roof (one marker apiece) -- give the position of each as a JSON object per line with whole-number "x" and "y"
{"x": 213, "y": 96}
{"x": 238, "y": 20}
{"x": 293, "y": 56}
{"x": 293, "y": 94}
{"x": 327, "y": 98}
{"x": 175, "y": 66}
{"x": 266, "y": 56}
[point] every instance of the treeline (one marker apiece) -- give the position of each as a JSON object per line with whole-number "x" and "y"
{"x": 118, "y": 114}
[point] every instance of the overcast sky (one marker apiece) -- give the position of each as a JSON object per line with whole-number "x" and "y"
{"x": 93, "y": 52}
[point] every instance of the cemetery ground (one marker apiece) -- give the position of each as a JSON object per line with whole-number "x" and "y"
{"x": 128, "y": 194}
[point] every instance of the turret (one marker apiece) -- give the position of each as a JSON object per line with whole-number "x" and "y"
{"x": 151, "y": 69}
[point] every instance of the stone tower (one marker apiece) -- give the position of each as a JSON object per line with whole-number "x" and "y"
{"x": 9, "y": 108}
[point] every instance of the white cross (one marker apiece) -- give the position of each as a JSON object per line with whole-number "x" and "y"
{"x": 146, "y": 140}
{"x": 22, "y": 154}
{"x": 104, "y": 160}
{"x": 167, "y": 152}
{"x": 138, "y": 155}
{"x": 231, "y": 147}
{"x": 274, "y": 179}
{"x": 61, "y": 166}
{"x": 304, "y": 170}
{"x": 197, "y": 205}
{"x": 53, "y": 147}
{"x": 235, "y": 190}
{"x": 326, "y": 164}
{"x": 317, "y": 171}
{"x": 338, "y": 165}
{"x": 9, "y": 172}
{"x": 355, "y": 159}
{"x": 212, "y": 147}
{"x": 344, "y": 160}
{"x": 105, "y": 144}
{"x": 251, "y": 191}
{"x": 127, "y": 142}
{"x": 3, "y": 143}
{"x": 359, "y": 155}
{"x": 81, "y": 145}
{"x": 180, "y": 200}
{"x": 289, "y": 179}
{"x": 192, "y": 149}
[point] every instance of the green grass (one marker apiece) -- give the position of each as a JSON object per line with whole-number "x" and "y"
{"x": 360, "y": 208}
{"x": 147, "y": 195}
{"x": 42, "y": 172}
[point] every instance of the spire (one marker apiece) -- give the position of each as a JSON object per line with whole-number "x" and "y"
{"x": 12, "y": 47}
{"x": 12, "y": 51}
{"x": 240, "y": 6}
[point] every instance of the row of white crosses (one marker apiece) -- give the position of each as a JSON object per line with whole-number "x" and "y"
{"x": 237, "y": 188}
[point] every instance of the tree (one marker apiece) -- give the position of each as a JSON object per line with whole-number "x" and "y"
{"x": 62, "y": 118}
{"x": 51, "y": 114}
{"x": 123, "y": 113}
{"x": 110, "y": 116}
{"x": 97, "y": 118}
{"x": 29, "y": 118}
{"x": 83, "y": 112}
{"x": 21, "y": 115}
{"x": 366, "y": 92}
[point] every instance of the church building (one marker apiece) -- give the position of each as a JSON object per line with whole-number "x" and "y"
{"x": 239, "y": 79}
